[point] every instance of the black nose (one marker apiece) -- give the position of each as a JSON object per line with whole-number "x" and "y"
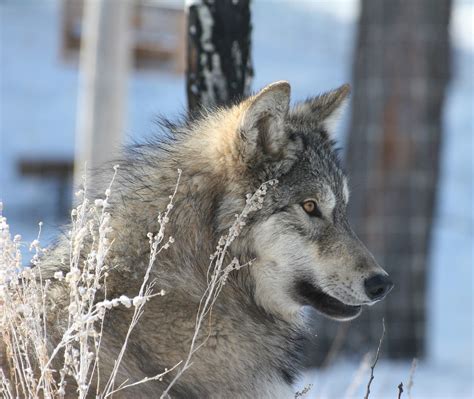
{"x": 376, "y": 287}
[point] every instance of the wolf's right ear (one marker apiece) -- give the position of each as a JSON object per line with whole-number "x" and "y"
{"x": 261, "y": 129}
{"x": 325, "y": 109}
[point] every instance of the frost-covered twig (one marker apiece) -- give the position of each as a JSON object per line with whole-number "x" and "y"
{"x": 25, "y": 302}
{"x": 146, "y": 291}
{"x": 375, "y": 361}
{"x": 5, "y": 386}
{"x": 217, "y": 275}
{"x": 411, "y": 376}
{"x": 24, "y": 299}
{"x": 146, "y": 379}
{"x": 304, "y": 391}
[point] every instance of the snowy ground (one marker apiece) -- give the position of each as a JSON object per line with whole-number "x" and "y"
{"x": 430, "y": 381}
{"x": 313, "y": 51}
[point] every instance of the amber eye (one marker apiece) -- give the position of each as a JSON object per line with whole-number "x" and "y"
{"x": 311, "y": 208}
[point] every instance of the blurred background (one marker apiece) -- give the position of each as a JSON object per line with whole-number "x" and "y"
{"x": 79, "y": 80}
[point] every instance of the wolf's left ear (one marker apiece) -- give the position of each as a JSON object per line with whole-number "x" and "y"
{"x": 262, "y": 124}
{"x": 325, "y": 109}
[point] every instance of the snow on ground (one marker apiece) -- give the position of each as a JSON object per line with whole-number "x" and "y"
{"x": 349, "y": 380}
{"x": 310, "y": 44}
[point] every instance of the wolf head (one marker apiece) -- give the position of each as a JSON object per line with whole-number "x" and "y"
{"x": 305, "y": 250}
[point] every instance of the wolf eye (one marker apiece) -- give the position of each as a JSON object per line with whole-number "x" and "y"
{"x": 311, "y": 208}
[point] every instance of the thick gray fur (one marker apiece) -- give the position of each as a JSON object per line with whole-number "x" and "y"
{"x": 256, "y": 327}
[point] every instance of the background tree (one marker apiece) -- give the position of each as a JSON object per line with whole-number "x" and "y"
{"x": 219, "y": 67}
{"x": 104, "y": 70}
{"x": 401, "y": 69}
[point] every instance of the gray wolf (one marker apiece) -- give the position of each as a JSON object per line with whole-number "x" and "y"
{"x": 304, "y": 249}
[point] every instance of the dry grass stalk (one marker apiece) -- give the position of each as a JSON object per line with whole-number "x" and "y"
{"x": 23, "y": 296}
{"x": 24, "y": 293}
{"x": 217, "y": 274}
{"x": 372, "y": 368}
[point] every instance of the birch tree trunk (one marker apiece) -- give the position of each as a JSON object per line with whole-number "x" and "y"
{"x": 219, "y": 67}
{"x": 401, "y": 70}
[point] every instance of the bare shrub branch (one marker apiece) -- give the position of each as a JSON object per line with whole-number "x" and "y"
{"x": 146, "y": 291}
{"x": 367, "y": 393}
{"x": 217, "y": 275}
{"x": 23, "y": 304}
{"x": 83, "y": 274}
{"x": 400, "y": 390}
{"x": 304, "y": 391}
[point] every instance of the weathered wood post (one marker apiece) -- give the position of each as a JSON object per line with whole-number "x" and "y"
{"x": 105, "y": 60}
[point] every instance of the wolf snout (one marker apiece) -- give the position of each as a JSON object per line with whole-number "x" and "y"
{"x": 377, "y": 286}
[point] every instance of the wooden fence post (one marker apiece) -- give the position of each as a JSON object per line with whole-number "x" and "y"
{"x": 105, "y": 60}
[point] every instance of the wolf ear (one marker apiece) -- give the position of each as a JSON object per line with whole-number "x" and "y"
{"x": 262, "y": 123}
{"x": 325, "y": 109}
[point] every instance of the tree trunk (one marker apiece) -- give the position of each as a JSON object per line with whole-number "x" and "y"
{"x": 219, "y": 67}
{"x": 401, "y": 69}
{"x": 105, "y": 60}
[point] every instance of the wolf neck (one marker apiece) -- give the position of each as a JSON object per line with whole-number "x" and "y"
{"x": 239, "y": 325}
{"x": 237, "y": 318}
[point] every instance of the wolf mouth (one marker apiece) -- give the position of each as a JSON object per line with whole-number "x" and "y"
{"x": 325, "y": 304}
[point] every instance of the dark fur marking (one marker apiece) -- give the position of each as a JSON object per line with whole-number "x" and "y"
{"x": 291, "y": 366}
